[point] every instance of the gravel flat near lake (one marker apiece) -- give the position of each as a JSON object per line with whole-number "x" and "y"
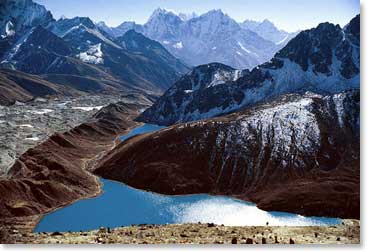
{"x": 346, "y": 233}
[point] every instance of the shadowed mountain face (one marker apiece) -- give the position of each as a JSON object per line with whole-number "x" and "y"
{"x": 18, "y": 16}
{"x": 39, "y": 51}
{"x": 324, "y": 60}
{"x": 167, "y": 67}
{"x": 75, "y": 51}
{"x": 297, "y": 153}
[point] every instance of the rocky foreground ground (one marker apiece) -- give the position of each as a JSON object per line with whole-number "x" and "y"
{"x": 346, "y": 233}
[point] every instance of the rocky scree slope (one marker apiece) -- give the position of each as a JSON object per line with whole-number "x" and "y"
{"x": 323, "y": 60}
{"x": 297, "y": 154}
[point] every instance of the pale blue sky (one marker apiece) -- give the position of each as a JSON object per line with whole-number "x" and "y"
{"x": 290, "y": 15}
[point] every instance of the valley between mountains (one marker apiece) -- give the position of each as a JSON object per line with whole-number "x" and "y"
{"x": 246, "y": 111}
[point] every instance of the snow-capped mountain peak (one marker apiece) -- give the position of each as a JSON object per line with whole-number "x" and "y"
{"x": 64, "y": 26}
{"x": 163, "y": 13}
{"x": 269, "y": 31}
{"x": 211, "y": 37}
{"x": 162, "y": 25}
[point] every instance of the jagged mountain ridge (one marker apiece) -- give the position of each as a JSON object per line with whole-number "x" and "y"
{"x": 40, "y": 51}
{"x": 324, "y": 60}
{"x": 88, "y": 55}
{"x": 211, "y": 37}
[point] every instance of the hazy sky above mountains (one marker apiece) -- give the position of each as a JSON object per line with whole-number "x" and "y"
{"x": 290, "y": 15}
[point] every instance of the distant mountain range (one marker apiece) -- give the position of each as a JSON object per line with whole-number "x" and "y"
{"x": 324, "y": 60}
{"x": 88, "y": 57}
{"x": 211, "y": 37}
{"x": 269, "y": 31}
{"x": 76, "y": 53}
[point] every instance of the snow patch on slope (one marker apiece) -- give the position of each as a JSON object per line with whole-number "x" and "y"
{"x": 9, "y": 29}
{"x": 283, "y": 120}
{"x": 221, "y": 77}
{"x": 246, "y": 50}
{"x": 87, "y": 108}
{"x": 243, "y": 47}
{"x": 14, "y": 50}
{"x": 178, "y": 45}
{"x": 339, "y": 107}
{"x": 283, "y": 40}
{"x": 93, "y": 55}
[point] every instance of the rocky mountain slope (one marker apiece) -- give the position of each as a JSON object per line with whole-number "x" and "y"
{"x": 211, "y": 37}
{"x": 23, "y": 87}
{"x": 324, "y": 60}
{"x": 76, "y": 53}
{"x": 297, "y": 154}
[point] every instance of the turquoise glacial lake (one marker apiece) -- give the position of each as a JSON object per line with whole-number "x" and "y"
{"x": 122, "y": 205}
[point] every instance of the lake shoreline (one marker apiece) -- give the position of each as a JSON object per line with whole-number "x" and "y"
{"x": 120, "y": 204}
{"x": 182, "y": 208}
